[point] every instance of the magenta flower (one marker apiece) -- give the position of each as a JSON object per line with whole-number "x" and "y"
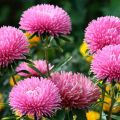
{"x": 39, "y": 64}
{"x": 13, "y": 45}
{"x": 103, "y": 31}
{"x": 46, "y": 18}
{"x": 76, "y": 90}
{"x": 35, "y": 96}
{"x": 106, "y": 63}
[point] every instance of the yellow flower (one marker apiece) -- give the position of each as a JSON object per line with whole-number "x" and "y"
{"x": 17, "y": 77}
{"x": 1, "y": 102}
{"x": 18, "y": 114}
{"x": 83, "y": 50}
{"x": 33, "y": 41}
{"x": 107, "y": 100}
{"x": 92, "y": 115}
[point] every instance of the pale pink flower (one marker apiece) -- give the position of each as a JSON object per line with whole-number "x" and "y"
{"x": 103, "y": 31}
{"x": 46, "y": 18}
{"x": 13, "y": 45}
{"x": 34, "y": 95}
{"x": 76, "y": 90}
{"x": 106, "y": 63}
{"x": 39, "y": 64}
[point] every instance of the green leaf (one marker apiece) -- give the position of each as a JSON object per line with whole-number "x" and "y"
{"x": 117, "y": 104}
{"x": 35, "y": 69}
{"x": 104, "y": 116}
{"x": 24, "y": 71}
{"x": 32, "y": 36}
{"x": 27, "y": 61}
{"x": 61, "y": 64}
{"x": 28, "y": 56}
{"x": 9, "y": 118}
{"x": 65, "y": 38}
{"x": 116, "y": 117}
{"x": 57, "y": 40}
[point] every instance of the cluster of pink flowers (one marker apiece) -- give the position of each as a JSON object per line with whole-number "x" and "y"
{"x": 103, "y": 38}
{"x": 44, "y": 96}
{"x": 102, "y": 32}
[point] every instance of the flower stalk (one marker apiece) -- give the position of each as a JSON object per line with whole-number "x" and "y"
{"x": 112, "y": 101}
{"x": 103, "y": 96}
{"x": 46, "y": 58}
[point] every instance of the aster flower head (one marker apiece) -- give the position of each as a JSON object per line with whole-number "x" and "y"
{"x": 39, "y": 64}
{"x": 106, "y": 63}
{"x": 46, "y": 18}
{"x": 35, "y": 96}
{"x": 13, "y": 45}
{"x": 76, "y": 90}
{"x": 103, "y": 31}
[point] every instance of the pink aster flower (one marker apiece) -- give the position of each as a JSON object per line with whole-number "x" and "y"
{"x": 13, "y": 45}
{"x": 39, "y": 64}
{"x": 35, "y": 96}
{"x": 106, "y": 63}
{"x": 76, "y": 90}
{"x": 46, "y": 18}
{"x": 103, "y": 31}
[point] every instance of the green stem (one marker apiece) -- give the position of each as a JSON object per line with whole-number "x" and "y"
{"x": 112, "y": 103}
{"x": 68, "y": 115}
{"x": 14, "y": 81}
{"x": 45, "y": 45}
{"x": 46, "y": 58}
{"x": 103, "y": 96}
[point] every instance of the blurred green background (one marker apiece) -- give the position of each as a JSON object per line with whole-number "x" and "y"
{"x": 80, "y": 11}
